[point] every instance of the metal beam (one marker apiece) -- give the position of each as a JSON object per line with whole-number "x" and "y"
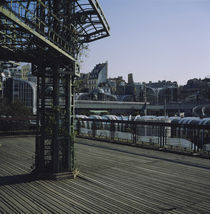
{"x": 14, "y": 18}
{"x": 102, "y": 18}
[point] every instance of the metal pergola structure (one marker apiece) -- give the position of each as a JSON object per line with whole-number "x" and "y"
{"x": 50, "y": 34}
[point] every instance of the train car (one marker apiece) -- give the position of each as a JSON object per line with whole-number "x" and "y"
{"x": 150, "y": 130}
{"x": 173, "y": 134}
{"x": 185, "y": 137}
{"x": 205, "y": 134}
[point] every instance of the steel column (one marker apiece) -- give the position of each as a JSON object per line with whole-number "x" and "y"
{"x": 55, "y": 121}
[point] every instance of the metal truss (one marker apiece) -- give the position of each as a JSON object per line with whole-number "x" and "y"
{"x": 55, "y": 133}
{"x": 49, "y": 28}
{"x": 50, "y": 34}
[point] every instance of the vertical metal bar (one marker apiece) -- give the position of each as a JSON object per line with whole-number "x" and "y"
{"x": 202, "y": 138}
{"x": 37, "y": 151}
{"x": 78, "y": 127}
{"x": 164, "y": 135}
{"x": 198, "y": 140}
{"x": 158, "y": 128}
{"x": 94, "y": 129}
{"x": 68, "y": 124}
{"x": 55, "y": 113}
{"x": 40, "y": 138}
{"x": 161, "y": 136}
{"x": 112, "y": 130}
{"x": 71, "y": 115}
{"x": 195, "y": 140}
{"x": 43, "y": 134}
{"x": 134, "y": 133}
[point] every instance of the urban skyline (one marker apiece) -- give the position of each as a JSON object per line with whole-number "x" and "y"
{"x": 159, "y": 40}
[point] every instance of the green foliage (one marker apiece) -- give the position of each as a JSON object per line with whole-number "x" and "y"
{"x": 78, "y": 84}
{"x": 17, "y": 114}
{"x": 50, "y": 119}
{"x": 82, "y": 53}
{"x": 16, "y": 109}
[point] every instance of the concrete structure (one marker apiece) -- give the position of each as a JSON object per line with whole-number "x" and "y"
{"x": 129, "y": 107}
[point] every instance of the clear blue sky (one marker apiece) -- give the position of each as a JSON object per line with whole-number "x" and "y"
{"x": 154, "y": 40}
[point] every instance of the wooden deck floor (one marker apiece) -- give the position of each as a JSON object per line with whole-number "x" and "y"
{"x": 113, "y": 179}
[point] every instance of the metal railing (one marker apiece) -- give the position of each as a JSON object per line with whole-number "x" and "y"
{"x": 186, "y": 138}
{"x": 16, "y": 126}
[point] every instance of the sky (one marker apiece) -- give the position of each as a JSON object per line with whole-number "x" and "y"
{"x": 154, "y": 39}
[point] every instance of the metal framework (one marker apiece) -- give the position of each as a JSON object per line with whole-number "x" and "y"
{"x": 50, "y": 34}
{"x": 189, "y": 137}
{"x": 50, "y": 28}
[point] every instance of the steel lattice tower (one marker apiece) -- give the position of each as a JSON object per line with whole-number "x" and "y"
{"x": 50, "y": 34}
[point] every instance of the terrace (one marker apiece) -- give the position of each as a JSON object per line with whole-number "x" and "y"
{"x": 113, "y": 179}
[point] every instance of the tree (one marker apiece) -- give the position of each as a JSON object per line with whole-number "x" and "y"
{"x": 16, "y": 109}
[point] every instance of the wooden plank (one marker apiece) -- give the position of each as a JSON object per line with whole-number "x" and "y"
{"x": 113, "y": 179}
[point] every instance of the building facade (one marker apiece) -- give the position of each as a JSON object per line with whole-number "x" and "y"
{"x": 20, "y": 90}
{"x": 97, "y": 76}
{"x": 196, "y": 90}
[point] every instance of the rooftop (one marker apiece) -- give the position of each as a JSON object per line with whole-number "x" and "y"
{"x": 97, "y": 69}
{"x": 113, "y": 179}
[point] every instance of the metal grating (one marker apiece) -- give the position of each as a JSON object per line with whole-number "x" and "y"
{"x": 49, "y": 28}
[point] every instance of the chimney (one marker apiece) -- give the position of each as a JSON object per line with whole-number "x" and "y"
{"x": 130, "y": 78}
